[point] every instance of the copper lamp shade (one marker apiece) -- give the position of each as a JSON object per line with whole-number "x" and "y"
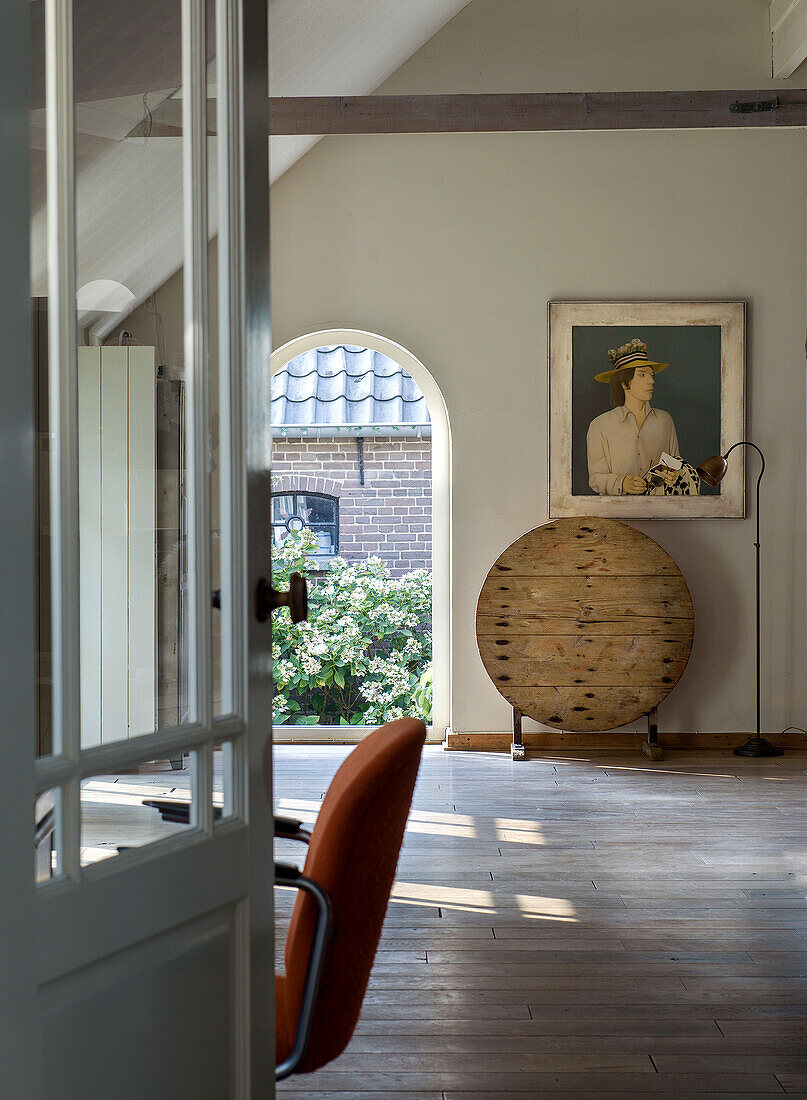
{"x": 713, "y": 470}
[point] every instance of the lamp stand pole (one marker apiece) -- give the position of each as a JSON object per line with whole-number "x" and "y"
{"x": 759, "y": 745}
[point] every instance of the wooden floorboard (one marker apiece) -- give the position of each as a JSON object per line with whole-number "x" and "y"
{"x": 581, "y": 924}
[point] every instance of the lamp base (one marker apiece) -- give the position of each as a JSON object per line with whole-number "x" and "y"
{"x": 758, "y": 746}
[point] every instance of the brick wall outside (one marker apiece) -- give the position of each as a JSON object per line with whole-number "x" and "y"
{"x": 390, "y": 517}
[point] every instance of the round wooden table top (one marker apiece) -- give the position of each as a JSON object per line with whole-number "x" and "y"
{"x": 585, "y": 624}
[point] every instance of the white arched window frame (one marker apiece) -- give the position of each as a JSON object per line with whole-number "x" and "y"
{"x": 441, "y": 523}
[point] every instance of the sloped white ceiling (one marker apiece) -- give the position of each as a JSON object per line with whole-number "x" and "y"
{"x": 342, "y": 47}
{"x": 128, "y": 190}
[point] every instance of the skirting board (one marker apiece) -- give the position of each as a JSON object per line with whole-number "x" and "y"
{"x": 588, "y": 742}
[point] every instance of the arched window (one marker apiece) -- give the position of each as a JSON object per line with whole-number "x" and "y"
{"x": 294, "y": 511}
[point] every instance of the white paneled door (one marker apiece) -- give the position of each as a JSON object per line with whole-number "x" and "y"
{"x": 117, "y": 532}
{"x": 137, "y": 939}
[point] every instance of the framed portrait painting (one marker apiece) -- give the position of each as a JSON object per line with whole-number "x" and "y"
{"x": 640, "y": 393}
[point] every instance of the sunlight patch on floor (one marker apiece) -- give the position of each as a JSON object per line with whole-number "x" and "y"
{"x": 441, "y": 818}
{"x": 533, "y": 905}
{"x": 90, "y": 793}
{"x": 447, "y": 897}
{"x": 92, "y": 854}
{"x": 435, "y": 829}
{"x": 521, "y": 832}
{"x": 133, "y": 786}
{"x": 300, "y": 805}
{"x": 684, "y": 773}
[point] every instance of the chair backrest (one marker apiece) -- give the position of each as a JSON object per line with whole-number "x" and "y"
{"x": 353, "y": 855}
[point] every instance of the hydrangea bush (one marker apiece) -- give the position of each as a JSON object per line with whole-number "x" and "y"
{"x": 364, "y": 655}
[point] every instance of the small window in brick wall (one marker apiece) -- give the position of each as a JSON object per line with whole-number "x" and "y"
{"x": 293, "y": 511}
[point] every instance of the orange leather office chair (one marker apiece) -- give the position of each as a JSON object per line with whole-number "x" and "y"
{"x": 345, "y": 886}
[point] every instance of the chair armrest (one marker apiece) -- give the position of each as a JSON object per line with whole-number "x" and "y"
{"x": 290, "y": 877}
{"x": 289, "y": 828}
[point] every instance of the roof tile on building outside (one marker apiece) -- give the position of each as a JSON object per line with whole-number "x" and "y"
{"x": 346, "y": 386}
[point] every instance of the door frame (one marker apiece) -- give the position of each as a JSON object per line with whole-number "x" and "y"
{"x": 18, "y": 1066}
{"x": 441, "y": 526}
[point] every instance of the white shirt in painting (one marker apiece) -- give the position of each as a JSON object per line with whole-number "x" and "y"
{"x": 617, "y": 448}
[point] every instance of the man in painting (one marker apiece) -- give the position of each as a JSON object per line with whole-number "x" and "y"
{"x": 625, "y": 443}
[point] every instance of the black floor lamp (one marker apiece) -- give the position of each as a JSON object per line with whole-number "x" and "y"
{"x": 713, "y": 470}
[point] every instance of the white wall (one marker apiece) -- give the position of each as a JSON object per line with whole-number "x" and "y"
{"x": 597, "y": 46}
{"x": 452, "y": 246}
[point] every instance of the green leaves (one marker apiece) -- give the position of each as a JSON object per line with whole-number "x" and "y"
{"x": 306, "y": 720}
{"x": 423, "y": 693}
{"x": 363, "y": 654}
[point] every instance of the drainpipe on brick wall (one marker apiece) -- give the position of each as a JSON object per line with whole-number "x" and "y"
{"x": 360, "y": 448}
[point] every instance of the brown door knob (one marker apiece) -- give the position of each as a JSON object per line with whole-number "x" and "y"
{"x": 268, "y": 598}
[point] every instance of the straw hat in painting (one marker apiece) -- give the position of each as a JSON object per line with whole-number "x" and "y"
{"x": 632, "y": 354}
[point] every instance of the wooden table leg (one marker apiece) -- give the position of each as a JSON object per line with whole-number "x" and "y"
{"x": 651, "y": 748}
{"x": 517, "y": 747}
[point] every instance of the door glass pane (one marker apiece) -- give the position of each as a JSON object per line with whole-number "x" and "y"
{"x": 46, "y": 848}
{"x": 223, "y": 752}
{"x": 135, "y": 806}
{"x": 131, "y": 372}
{"x": 137, "y": 395}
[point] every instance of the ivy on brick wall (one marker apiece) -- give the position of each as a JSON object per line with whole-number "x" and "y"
{"x": 364, "y": 655}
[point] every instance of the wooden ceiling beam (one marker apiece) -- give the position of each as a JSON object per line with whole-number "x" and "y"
{"x": 459, "y": 114}
{"x": 513, "y": 113}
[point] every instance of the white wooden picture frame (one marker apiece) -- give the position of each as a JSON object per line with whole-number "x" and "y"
{"x": 704, "y": 343}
